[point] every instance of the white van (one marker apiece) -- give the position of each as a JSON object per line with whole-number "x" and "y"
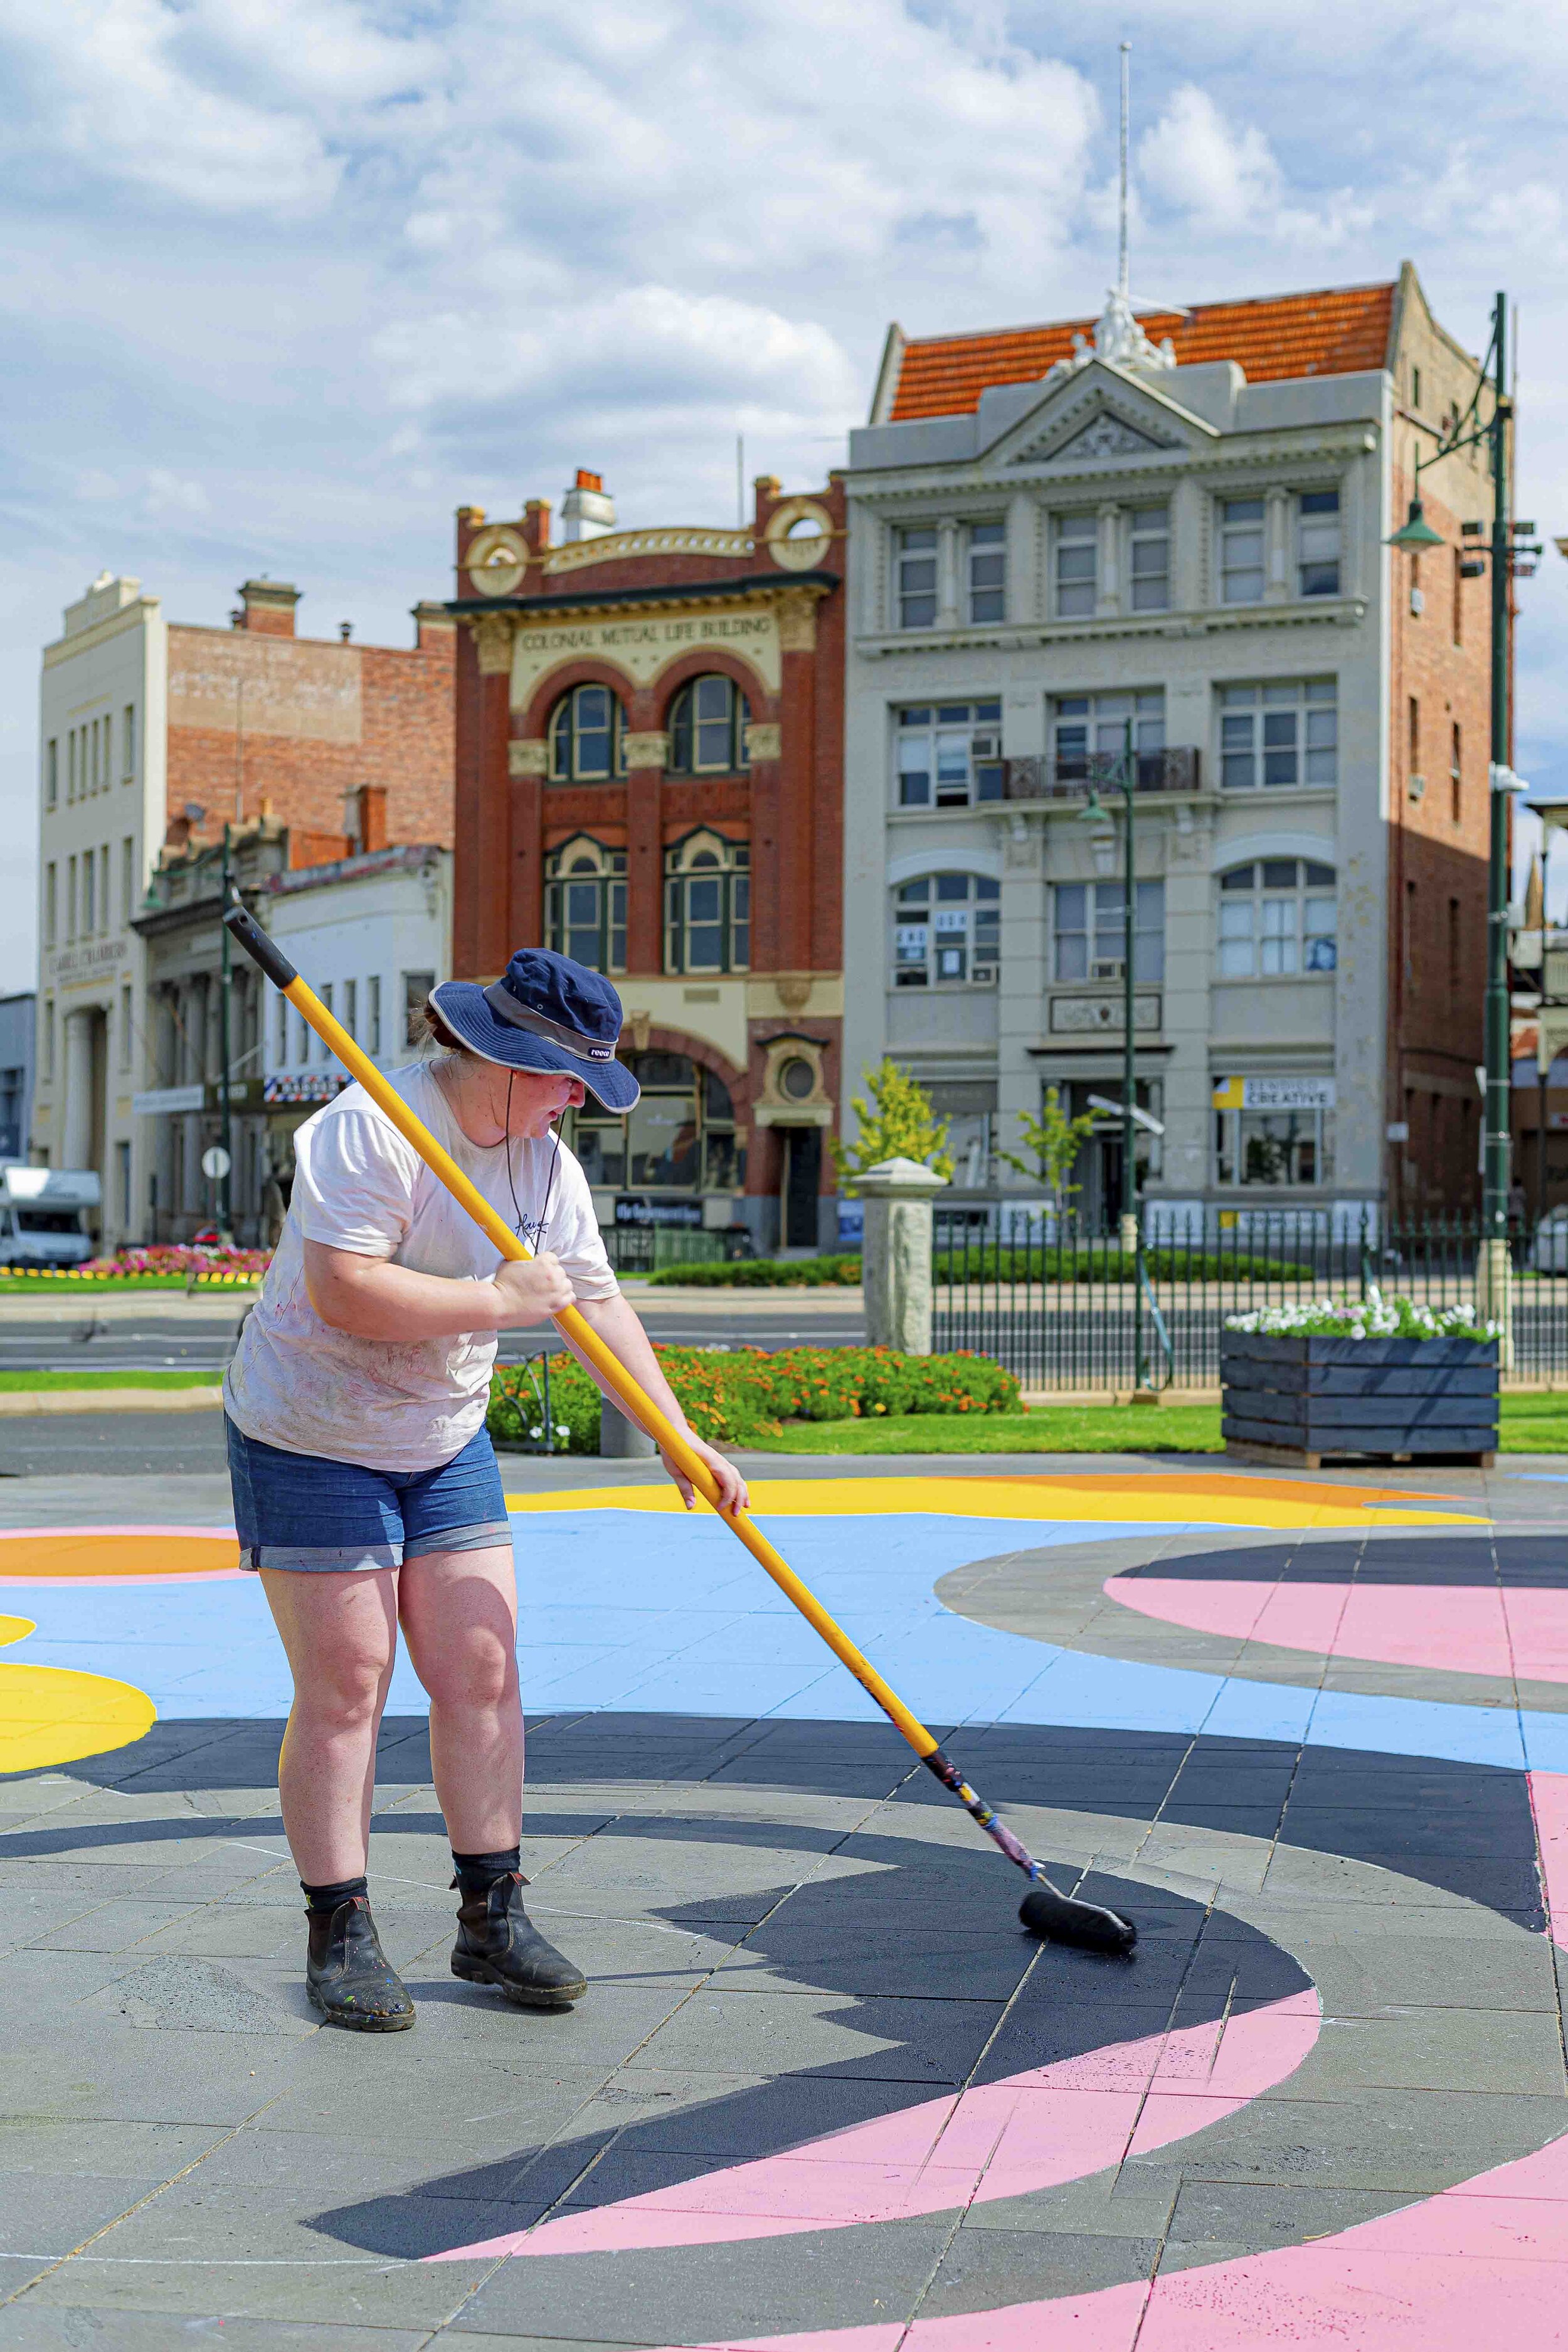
{"x": 43, "y": 1214}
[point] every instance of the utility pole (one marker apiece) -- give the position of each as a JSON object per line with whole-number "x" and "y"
{"x": 226, "y": 1118}
{"x": 1509, "y": 549}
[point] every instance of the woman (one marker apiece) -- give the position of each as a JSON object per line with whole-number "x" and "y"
{"x": 366, "y": 1491}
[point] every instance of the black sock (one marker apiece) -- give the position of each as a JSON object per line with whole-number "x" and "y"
{"x": 322, "y": 1901}
{"x": 477, "y": 1873}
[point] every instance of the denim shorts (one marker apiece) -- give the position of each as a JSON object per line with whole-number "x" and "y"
{"x": 299, "y": 1510}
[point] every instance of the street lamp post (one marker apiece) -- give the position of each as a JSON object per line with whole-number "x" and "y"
{"x": 1509, "y": 543}
{"x": 1124, "y": 777}
{"x": 225, "y": 1119}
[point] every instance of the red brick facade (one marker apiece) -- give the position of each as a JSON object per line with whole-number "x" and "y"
{"x": 643, "y": 613}
{"x": 1439, "y": 838}
{"x": 261, "y": 717}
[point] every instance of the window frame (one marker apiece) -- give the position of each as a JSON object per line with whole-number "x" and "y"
{"x": 979, "y": 932}
{"x": 1091, "y": 758}
{"x": 983, "y": 777}
{"x": 685, "y": 718}
{"x": 1231, "y": 526}
{"x": 1239, "y": 698}
{"x": 991, "y": 552}
{"x": 916, "y": 543}
{"x": 705, "y": 855}
{"x": 713, "y": 1141}
{"x": 1144, "y": 535}
{"x": 1074, "y": 596}
{"x": 563, "y": 733}
{"x": 1302, "y": 524}
{"x": 607, "y": 878}
{"x": 1234, "y": 1130}
{"x": 1299, "y": 952}
{"x": 1103, "y": 969}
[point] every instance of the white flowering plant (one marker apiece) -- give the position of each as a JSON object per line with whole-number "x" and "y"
{"x": 1371, "y": 1318}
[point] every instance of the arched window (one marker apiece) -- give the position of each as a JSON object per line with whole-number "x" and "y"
{"x": 707, "y": 729}
{"x": 946, "y": 930}
{"x": 708, "y": 905}
{"x": 678, "y": 1137}
{"x": 1277, "y": 917}
{"x": 587, "y": 744}
{"x": 585, "y": 903}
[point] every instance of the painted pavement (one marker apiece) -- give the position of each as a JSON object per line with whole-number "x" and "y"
{"x": 824, "y": 2095}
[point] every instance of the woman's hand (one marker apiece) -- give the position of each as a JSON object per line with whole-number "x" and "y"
{"x": 530, "y": 1290}
{"x": 732, "y": 1491}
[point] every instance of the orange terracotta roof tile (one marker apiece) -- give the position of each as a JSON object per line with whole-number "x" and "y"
{"x": 1339, "y": 332}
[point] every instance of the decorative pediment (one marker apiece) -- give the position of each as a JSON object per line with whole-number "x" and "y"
{"x": 1103, "y": 432}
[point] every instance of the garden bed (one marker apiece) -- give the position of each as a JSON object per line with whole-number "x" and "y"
{"x": 748, "y": 1396}
{"x": 1391, "y": 1381}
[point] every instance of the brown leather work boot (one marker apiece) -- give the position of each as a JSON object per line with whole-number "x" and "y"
{"x": 498, "y": 1944}
{"x": 348, "y": 1978}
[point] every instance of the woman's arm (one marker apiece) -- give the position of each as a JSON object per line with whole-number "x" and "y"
{"x": 374, "y": 1299}
{"x": 616, "y": 1323}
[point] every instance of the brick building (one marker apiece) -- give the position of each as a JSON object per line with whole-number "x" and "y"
{"x": 649, "y": 778}
{"x": 152, "y": 736}
{"x": 1177, "y": 523}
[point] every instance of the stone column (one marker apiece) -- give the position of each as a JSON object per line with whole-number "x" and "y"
{"x": 647, "y": 756}
{"x": 76, "y": 1144}
{"x": 947, "y": 583}
{"x": 1109, "y": 599}
{"x": 898, "y": 1195}
{"x": 1277, "y": 547}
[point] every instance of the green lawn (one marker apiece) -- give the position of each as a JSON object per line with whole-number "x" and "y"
{"x": 1528, "y": 1425}
{"x": 83, "y": 1286}
{"x": 12, "y": 1382}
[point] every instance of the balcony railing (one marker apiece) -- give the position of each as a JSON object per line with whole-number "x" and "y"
{"x": 1036, "y": 779}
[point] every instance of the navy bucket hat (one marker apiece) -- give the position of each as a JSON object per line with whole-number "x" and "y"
{"x": 545, "y": 1013}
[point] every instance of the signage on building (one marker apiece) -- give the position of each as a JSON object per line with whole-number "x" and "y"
{"x": 636, "y": 1209}
{"x": 1273, "y": 1094}
{"x": 165, "y": 1100}
{"x": 304, "y": 1086}
{"x": 642, "y": 645}
{"x": 1076, "y": 1016}
{"x": 86, "y": 962}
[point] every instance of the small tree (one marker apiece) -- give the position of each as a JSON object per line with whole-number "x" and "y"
{"x": 902, "y": 1125}
{"x": 1055, "y": 1142}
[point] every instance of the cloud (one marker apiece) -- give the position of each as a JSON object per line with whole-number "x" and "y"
{"x": 1198, "y": 164}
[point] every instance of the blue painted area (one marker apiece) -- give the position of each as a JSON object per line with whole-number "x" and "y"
{"x": 637, "y": 1612}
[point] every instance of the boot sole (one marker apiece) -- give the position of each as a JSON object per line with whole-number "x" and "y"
{"x": 357, "y": 2023}
{"x": 481, "y": 1972}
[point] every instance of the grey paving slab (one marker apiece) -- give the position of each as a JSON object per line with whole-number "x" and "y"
{"x": 927, "y": 2042}
{"x": 31, "y": 2326}
{"x": 982, "y": 2269}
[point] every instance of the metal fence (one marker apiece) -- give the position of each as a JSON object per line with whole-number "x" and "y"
{"x": 1062, "y": 1306}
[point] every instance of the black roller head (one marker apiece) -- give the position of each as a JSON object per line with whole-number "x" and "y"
{"x": 1059, "y": 1919}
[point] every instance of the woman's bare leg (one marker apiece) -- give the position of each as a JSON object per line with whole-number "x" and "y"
{"x": 340, "y": 1635}
{"x": 459, "y": 1615}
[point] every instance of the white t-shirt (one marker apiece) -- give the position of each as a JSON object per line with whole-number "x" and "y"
{"x": 297, "y": 1383}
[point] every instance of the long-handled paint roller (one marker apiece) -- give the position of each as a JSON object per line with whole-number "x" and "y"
{"x": 1046, "y": 1911}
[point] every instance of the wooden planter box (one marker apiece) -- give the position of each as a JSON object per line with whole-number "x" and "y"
{"x": 1296, "y": 1400}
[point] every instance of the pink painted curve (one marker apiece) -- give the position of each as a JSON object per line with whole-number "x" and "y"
{"x": 1485, "y": 2263}
{"x": 1464, "y": 1629}
{"x": 1053, "y": 2124}
{"x": 1549, "y": 1805}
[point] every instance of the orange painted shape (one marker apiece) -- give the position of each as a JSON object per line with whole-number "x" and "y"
{"x": 73, "y": 1555}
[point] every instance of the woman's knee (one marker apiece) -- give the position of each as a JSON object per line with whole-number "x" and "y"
{"x": 343, "y": 1693}
{"x": 479, "y": 1674}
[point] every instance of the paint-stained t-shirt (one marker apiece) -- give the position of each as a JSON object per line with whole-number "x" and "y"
{"x": 297, "y": 1383}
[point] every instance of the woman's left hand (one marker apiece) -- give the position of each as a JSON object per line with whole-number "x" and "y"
{"x": 731, "y": 1484}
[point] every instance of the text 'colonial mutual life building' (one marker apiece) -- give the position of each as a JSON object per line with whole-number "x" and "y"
{"x": 1171, "y": 535}
{"x": 649, "y": 779}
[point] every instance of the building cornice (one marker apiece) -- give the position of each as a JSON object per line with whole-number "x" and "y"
{"x": 752, "y": 588}
{"x": 113, "y": 625}
{"x": 966, "y": 477}
{"x": 1016, "y": 636}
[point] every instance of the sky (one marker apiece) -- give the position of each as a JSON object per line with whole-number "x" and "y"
{"x": 290, "y": 280}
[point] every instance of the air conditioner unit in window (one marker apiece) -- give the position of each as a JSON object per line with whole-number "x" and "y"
{"x": 1106, "y": 968}
{"x": 987, "y": 746}
{"x": 984, "y": 972}
{"x": 1417, "y": 786}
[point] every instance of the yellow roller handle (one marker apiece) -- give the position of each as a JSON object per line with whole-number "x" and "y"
{"x": 574, "y": 1325}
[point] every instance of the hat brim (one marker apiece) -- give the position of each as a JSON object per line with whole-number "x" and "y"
{"x": 466, "y": 1012}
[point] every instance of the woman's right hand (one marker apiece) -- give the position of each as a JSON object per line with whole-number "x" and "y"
{"x": 530, "y": 1290}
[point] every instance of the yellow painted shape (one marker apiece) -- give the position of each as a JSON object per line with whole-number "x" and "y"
{"x": 1124, "y": 1496}
{"x": 52, "y": 1715}
{"x": 13, "y": 1628}
{"x": 30, "y": 1560}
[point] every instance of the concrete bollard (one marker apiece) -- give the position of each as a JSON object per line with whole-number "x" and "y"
{"x": 897, "y": 1253}
{"x": 621, "y": 1440}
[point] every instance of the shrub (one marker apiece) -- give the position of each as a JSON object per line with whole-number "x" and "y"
{"x": 1105, "y": 1262}
{"x": 731, "y": 1396}
{"x": 842, "y": 1271}
{"x": 1371, "y": 1318}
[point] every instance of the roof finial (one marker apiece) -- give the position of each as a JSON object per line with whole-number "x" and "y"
{"x": 1118, "y": 338}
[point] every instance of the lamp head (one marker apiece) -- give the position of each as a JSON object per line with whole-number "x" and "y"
{"x": 1417, "y": 531}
